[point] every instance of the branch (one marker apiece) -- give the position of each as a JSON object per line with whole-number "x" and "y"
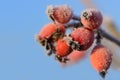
{"x": 109, "y": 37}
{"x": 73, "y": 25}
{"x": 74, "y": 17}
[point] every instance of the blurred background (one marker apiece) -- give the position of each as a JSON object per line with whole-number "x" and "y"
{"x": 22, "y": 58}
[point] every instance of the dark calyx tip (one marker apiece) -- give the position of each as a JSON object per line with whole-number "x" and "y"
{"x": 102, "y": 74}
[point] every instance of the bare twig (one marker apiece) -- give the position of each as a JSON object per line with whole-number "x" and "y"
{"x": 109, "y": 37}
{"x": 74, "y": 17}
{"x": 73, "y": 25}
{"x": 98, "y": 37}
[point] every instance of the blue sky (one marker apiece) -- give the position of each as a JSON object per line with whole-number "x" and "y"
{"x": 22, "y": 58}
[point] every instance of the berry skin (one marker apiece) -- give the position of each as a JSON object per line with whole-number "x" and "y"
{"x": 62, "y": 48}
{"x": 51, "y": 30}
{"x": 75, "y": 56}
{"x": 91, "y": 18}
{"x": 101, "y": 59}
{"x": 61, "y": 14}
{"x": 83, "y": 36}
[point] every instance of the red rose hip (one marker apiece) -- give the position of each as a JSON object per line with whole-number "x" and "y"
{"x": 50, "y": 29}
{"x": 101, "y": 59}
{"x": 83, "y": 36}
{"x": 61, "y": 13}
{"x": 62, "y": 48}
{"x": 91, "y": 18}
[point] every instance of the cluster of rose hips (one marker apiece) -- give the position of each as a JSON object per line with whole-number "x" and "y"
{"x": 71, "y": 47}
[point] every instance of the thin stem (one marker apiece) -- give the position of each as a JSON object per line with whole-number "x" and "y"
{"x": 73, "y": 25}
{"x": 98, "y": 37}
{"x": 75, "y": 17}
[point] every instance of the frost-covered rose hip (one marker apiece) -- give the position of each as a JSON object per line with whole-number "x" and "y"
{"x": 91, "y": 18}
{"x": 101, "y": 59}
{"x": 49, "y": 34}
{"x": 51, "y": 30}
{"x": 61, "y": 13}
{"x": 82, "y": 36}
{"x": 62, "y": 49}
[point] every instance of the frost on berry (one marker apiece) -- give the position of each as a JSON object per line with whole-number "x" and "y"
{"x": 52, "y": 31}
{"x": 91, "y": 18}
{"x": 61, "y": 13}
{"x": 49, "y": 34}
{"x": 101, "y": 59}
{"x": 62, "y": 48}
{"x": 83, "y": 37}
{"x": 75, "y": 56}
